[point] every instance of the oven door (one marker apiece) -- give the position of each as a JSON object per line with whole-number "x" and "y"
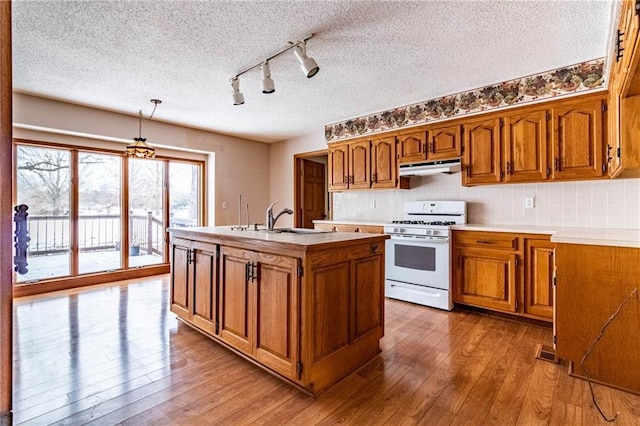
{"x": 418, "y": 260}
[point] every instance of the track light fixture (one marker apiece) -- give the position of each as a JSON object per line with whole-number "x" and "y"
{"x": 238, "y": 97}
{"x": 308, "y": 65}
{"x": 268, "y": 86}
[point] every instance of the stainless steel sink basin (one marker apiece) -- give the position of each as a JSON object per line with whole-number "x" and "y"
{"x": 296, "y": 231}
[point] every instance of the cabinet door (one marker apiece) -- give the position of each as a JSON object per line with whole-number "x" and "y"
{"x": 525, "y": 147}
{"x": 578, "y": 140}
{"x": 383, "y": 159}
{"x": 204, "y": 307}
{"x": 180, "y": 279}
{"x": 482, "y": 152}
{"x": 276, "y": 309}
{"x": 338, "y": 167}
{"x": 367, "y": 296}
{"x": 444, "y": 142}
{"x": 538, "y": 280}
{"x": 411, "y": 147}
{"x": 360, "y": 165}
{"x": 235, "y": 298}
{"x": 486, "y": 278}
{"x": 612, "y": 152}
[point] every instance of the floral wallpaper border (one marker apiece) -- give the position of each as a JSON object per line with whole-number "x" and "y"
{"x": 585, "y": 76}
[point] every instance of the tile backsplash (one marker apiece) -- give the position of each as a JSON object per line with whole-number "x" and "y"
{"x": 596, "y": 203}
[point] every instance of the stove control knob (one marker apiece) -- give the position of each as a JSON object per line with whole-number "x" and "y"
{"x": 429, "y": 232}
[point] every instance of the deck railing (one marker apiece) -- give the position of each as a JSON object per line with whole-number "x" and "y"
{"x": 50, "y": 234}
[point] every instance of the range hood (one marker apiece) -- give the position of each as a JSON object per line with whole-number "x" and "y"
{"x": 430, "y": 168}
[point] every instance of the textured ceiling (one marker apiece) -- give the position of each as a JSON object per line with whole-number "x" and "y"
{"x": 373, "y": 55}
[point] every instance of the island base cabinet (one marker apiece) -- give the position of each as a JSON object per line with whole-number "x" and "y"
{"x": 308, "y": 313}
{"x": 345, "y": 303}
{"x": 259, "y": 307}
{"x": 193, "y": 277}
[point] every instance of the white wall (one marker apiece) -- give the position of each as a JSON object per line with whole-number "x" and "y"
{"x": 281, "y": 161}
{"x": 238, "y": 165}
{"x": 598, "y": 203}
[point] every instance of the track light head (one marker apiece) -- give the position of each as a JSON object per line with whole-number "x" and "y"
{"x": 308, "y": 65}
{"x": 238, "y": 97}
{"x": 268, "y": 86}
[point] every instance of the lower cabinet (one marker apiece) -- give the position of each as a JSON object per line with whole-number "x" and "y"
{"x": 193, "y": 290}
{"x": 506, "y": 272}
{"x": 259, "y": 307}
{"x": 310, "y": 314}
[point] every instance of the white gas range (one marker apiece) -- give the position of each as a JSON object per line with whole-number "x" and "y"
{"x": 418, "y": 252}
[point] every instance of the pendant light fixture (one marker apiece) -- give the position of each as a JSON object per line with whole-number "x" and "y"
{"x": 308, "y": 65}
{"x": 140, "y": 149}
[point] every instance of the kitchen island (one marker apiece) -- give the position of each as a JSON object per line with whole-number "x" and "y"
{"x": 306, "y": 306}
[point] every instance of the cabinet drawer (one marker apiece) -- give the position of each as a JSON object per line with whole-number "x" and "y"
{"x": 493, "y": 240}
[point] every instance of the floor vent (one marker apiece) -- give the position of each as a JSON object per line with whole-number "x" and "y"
{"x": 546, "y": 353}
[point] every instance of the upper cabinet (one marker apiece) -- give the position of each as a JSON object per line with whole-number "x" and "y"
{"x": 481, "y": 156}
{"x": 577, "y": 147}
{"x": 430, "y": 143}
{"x": 383, "y": 162}
{"x": 364, "y": 164}
{"x": 622, "y": 151}
{"x": 525, "y": 146}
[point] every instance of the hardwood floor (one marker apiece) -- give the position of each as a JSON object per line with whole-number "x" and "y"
{"x": 115, "y": 354}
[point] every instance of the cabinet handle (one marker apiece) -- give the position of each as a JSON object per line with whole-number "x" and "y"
{"x": 346, "y": 179}
{"x": 468, "y": 169}
{"x": 509, "y": 168}
{"x": 557, "y": 164}
{"x": 485, "y": 242}
{"x": 375, "y": 178}
{"x": 432, "y": 147}
{"x": 424, "y": 147}
{"x": 254, "y": 275}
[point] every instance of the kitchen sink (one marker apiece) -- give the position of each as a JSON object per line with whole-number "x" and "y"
{"x": 296, "y": 231}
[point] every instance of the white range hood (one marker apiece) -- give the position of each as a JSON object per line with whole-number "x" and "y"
{"x": 430, "y": 168}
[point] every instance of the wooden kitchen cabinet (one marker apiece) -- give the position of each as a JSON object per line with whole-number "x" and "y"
{"x": 525, "y": 146}
{"x": 538, "y": 279}
{"x": 623, "y": 153}
{"x": 365, "y": 164}
{"x": 482, "y": 155}
{"x": 259, "y": 306}
{"x": 430, "y": 143}
{"x": 506, "y": 272}
{"x": 577, "y": 145}
{"x": 194, "y": 289}
{"x": 338, "y": 165}
{"x": 384, "y": 169}
{"x": 486, "y": 278}
{"x": 360, "y": 164}
{"x": 310, "y": 310}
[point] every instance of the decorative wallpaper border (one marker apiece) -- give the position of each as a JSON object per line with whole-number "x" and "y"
{"x": 585, "y": 76}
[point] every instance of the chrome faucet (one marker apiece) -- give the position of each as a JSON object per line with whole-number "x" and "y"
{"x": 270, "y": 220}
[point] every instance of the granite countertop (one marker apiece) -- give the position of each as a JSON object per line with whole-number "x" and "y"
{"x": 309, "y": 238}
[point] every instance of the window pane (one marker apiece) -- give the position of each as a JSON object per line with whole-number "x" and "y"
{"x": 184, "y": 191}
{"x": 43, "y": 184}
{"x": 99, "y": 212}
{"x": 146, "y": 227}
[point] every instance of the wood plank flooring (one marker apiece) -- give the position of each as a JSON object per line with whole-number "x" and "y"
{"x": 115, "y": 354}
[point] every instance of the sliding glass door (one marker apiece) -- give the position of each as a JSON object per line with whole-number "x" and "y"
{"x": 44, "y": 184}
{"x": 89, "y": 208}
{"x": 99, "y": 212}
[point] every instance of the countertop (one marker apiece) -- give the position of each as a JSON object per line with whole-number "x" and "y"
{"x": 314, "y": 238}
{"x": 369, "y": 222}
{"x": 569, "y": 235}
